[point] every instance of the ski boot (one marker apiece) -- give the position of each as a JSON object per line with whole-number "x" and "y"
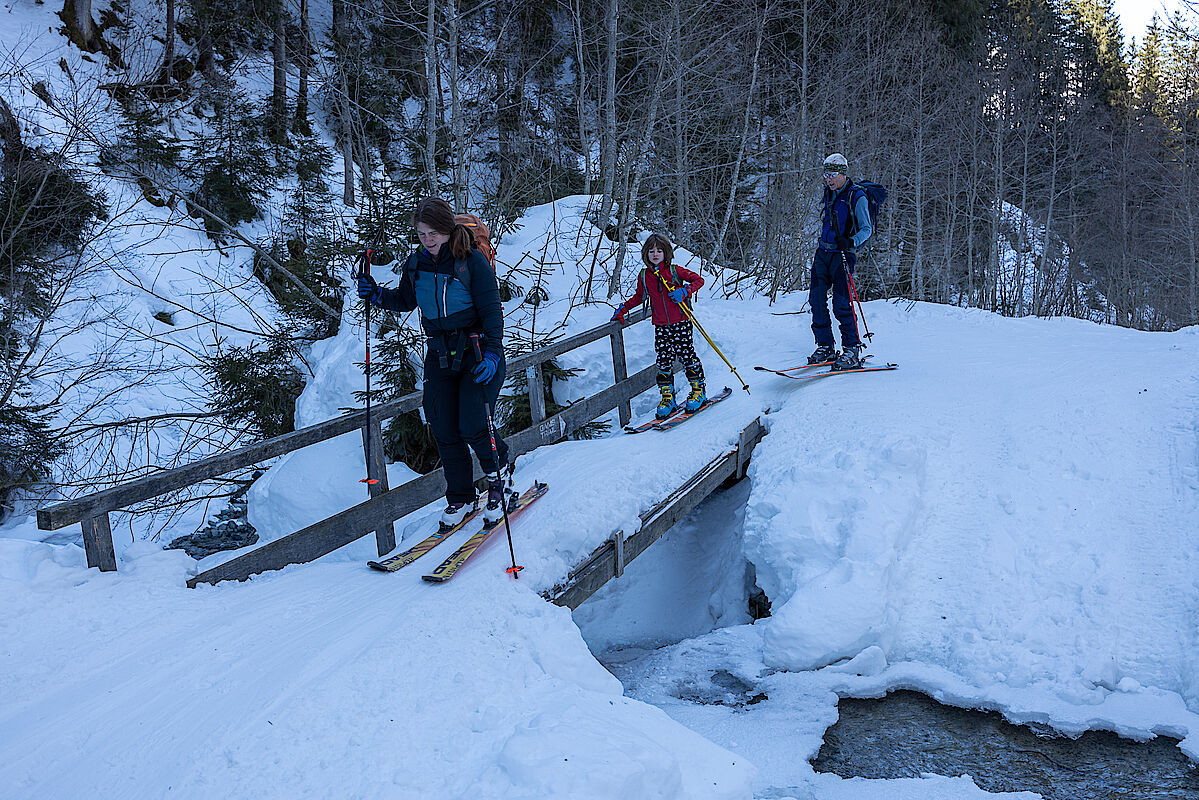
{"x": 500, "y": 495}
{"x": 667, "y": 405}
{"x": 824, "y": 352}
{"x": 850, "y": 358}
{"x": 697, "y": 397}
{"x": 454, "y": 514}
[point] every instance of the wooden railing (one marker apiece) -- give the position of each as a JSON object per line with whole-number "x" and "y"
{"x": 385, "y": 504}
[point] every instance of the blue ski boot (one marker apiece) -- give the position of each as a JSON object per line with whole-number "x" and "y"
{"x": 667, "y": 405}
{"x": 697, "y": 397}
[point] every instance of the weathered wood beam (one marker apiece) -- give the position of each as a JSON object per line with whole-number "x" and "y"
{"x": 66, "y": 513}
{"x": 610, "y": 559}
{"x": 324, "y": 537}
{"x": 97, "y": 543}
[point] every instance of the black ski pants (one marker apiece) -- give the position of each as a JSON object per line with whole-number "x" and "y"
{"x": 829, "y": 271}
{"x": 453, "y": 405}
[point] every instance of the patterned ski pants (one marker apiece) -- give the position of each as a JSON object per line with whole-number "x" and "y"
{"x": 674, "y": 341}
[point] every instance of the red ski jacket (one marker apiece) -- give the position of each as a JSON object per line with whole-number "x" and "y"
{"x": 663, "y": 310}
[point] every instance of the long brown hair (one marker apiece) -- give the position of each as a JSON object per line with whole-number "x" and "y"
{"x": 663, "y": 244}
{"x": 437, "y": 214}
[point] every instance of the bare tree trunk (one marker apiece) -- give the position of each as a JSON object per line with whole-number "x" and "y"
{"x": 81, "y": 28}
{"x": 1188, "y": 209}
{"x": 168, "y": 49}
{"x": 584, "y": 138}
{"x": 749, "y": 100}
{"x": 206, "y": 55}
{"x": 431, "y": 97}
{"x": 461, "y": 189}
{"x": 803, "y": 78}
{"x": 340, "y": 52}
{"x": 301, "y": 124}
{"x": 279, "y": 88}
{"x": 1042, "y": 296}
{"x": 990, "y": 283}
{"x": 918, "y": 196}
{"x": 610, "y": 144}
{"x": 628, "y": 211}
{"x": 347, "y": 144}
{"x": 679, "y": 130}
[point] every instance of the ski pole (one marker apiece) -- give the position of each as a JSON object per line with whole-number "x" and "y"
{"x": 691, "y": 316}
{"x": 514, "y": 569}
{"x": 365, "y": 269}
{"x": 853, "y": 294}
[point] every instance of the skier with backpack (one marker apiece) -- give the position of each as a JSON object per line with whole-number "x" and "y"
{"x": 846, "y": 225}
{"x": 667, "y": 288}
{"x": 455, "y": 288}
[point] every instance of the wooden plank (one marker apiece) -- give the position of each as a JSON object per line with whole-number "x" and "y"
{"x": 620, "y": 371}
{"x": 329, "y": 534}
{"x": 579, "y": 414}
{"x": 71, "y": 511}
{"x": 600, "y": 568}
{"x": 556, "y": 349}
{"x": 609, "y": 559}
{"x": 536, "y": 379}
{"x": 97, "y": 543}
{"x": 376, "y": 470}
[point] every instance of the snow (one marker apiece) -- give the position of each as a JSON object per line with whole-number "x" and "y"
{"x": 1009, "y": 521}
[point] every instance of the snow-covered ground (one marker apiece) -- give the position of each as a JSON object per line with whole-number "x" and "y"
{"x": 1008, "y": 520}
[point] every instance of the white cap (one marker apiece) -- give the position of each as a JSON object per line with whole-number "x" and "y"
{"x": 837, "y": 160}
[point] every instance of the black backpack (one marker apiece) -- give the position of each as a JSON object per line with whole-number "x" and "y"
{"x": 876, "y": 195}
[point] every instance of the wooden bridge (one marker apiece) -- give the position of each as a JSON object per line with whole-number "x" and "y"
{"x": 387, "y": 504}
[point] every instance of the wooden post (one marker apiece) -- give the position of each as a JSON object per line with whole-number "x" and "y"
{"x": 376, "y": 469}
{"x": 536, "y": 392}
{"x": 97, "y": 542}
{"x": 620, "y": 371}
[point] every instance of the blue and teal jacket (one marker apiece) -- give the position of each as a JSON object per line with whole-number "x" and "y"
{"x": 836, "y": 216}
{"x": 448, "y": 304}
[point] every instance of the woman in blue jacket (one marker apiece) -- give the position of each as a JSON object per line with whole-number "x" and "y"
{"x": 456, "y": 290}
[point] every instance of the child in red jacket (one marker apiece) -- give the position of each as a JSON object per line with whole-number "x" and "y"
{"x": 667, "y": 288}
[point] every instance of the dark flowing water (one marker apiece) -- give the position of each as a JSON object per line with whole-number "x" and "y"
{"x": 907, "y": 733}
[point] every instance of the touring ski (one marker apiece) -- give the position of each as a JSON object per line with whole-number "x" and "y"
{"x": 446, "y": 569}
{"x": 679, "y": 419}
{"x": 810, "y": 375}
{"x": 787, "y": 373}
{"x": 392, "y": 563}
{"x": 653, "y": 423}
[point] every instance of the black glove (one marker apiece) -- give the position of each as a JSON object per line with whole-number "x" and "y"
{"x": 368, "y": 289}
{"x": 844, "y": 243}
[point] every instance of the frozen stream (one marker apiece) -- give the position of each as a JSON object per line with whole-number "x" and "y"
{"x": 677, "y": 632}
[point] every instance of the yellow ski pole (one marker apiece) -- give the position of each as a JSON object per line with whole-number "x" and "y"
{"x": 691, "y": 316}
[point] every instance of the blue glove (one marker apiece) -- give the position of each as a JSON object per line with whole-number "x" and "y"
{"x": 618, "y": 316}
{"x": 368, "y": 289}
{"x": 485, "y": 371}
{"x": 680, "y": 294}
